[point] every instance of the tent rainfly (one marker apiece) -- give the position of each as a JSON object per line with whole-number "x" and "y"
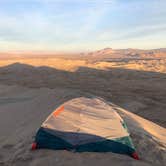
{"x": 85, "y": 125}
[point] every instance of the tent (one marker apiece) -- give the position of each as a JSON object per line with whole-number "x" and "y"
{"x": 85, "y": 125}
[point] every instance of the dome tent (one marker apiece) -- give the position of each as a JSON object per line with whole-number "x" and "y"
{"x": 85, "y": 125}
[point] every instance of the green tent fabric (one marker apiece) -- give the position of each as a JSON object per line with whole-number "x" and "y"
{"x": 85, "y": 125}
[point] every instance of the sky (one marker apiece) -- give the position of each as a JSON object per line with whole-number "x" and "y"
{"x": 76, "y": 25}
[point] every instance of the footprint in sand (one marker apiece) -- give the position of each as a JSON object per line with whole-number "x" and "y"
{"x": 8, "y": 146}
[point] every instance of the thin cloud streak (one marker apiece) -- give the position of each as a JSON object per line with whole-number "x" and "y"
{"x": 74, "y": 25}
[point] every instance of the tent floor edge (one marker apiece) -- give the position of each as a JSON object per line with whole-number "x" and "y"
{"x": 34, "y": 146}
{"x": 135, "y": 156}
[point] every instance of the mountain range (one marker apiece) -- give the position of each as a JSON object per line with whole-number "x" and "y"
{"x": 103, "y": 54}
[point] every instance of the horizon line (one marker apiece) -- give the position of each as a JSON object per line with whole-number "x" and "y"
{"x": 75, "y": 52}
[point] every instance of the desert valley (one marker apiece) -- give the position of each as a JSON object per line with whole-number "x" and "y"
{"x": 82, "y": 83}
{"x": 32, "y": 85}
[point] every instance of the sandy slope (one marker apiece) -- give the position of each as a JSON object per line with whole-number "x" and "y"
{"x": 140, "y": 92}
{"x": 22, "y": 110}
{"x": 29, "y": 94}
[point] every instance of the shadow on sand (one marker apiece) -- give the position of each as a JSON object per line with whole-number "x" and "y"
{"x": 141, "y": 92}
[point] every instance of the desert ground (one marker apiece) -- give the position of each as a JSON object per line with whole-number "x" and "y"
{"x": 31, "y": 88}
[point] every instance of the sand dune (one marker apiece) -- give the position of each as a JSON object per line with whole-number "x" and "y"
{"x": 138, "y": 91}
{"x": 145, "y": 60}
{"x": 31, "y": 89}
{"x": 22, "y": 110}
{"x": 157, "y": 65}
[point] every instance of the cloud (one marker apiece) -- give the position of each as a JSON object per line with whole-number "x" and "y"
{"x": 74, "y": 24}
{"x": 32, "y": 26}
{"x": 132, "y": 33}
